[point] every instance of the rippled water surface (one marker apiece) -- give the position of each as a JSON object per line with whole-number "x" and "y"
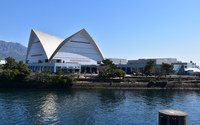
{"x": 89, "y": 107}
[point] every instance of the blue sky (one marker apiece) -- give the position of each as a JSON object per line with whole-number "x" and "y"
{"x": 129, "y": 29}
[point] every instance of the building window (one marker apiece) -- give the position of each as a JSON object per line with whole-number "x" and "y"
{"x": 36, "y": 55}
{"x": 37, "y": 42}
{"x": 39, "y": 61}
{"x": 58, "y": 61}
{"x": 98, "y": 62}
{"x": 80, "y": 42}
{"x": 27, "y": 61}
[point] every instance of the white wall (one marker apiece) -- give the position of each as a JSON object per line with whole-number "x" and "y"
{"x": 36, "y": 49}
{"x": 2, "y": 62}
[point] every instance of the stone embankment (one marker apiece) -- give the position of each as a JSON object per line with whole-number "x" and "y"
{"x": 138, "y": 85}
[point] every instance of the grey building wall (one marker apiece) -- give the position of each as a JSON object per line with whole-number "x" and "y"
{"x": 167, "y": 60}
{"x": 157, "y": 61}
{"x": 118, "y": 61}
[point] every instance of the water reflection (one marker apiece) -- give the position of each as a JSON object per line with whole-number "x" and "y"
{"x": 89, "y": 107}
{"x": 33, "y": 106}
{"x": 49, "y": 108}
{"x": 78, "y": 109}
{"x": 153, "y": 98}
{"x": 111, "y": 96}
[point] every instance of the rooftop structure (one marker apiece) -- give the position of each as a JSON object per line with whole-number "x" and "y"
{"x": 158, "y": 61}
{"x": 118, "y": 61}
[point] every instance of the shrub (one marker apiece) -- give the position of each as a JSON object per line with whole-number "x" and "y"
{"x": 53, "y": 81}
{"x": 13, "y": 71}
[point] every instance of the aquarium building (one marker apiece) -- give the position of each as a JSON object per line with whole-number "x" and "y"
{"x": 77, "y": 53}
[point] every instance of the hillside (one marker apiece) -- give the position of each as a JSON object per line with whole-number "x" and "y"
{"x": 15, "y": 50}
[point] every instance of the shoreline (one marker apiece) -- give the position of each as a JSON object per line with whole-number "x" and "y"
{"x": 155, "y": 85}
{"x": 136, "y": 86}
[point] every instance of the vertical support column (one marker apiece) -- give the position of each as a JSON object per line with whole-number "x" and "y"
{"x": 126, "y": 69}
{"x": 54, "y": 69}
{"x": 42, "y": 68}
{"x": 33, "y": 68}
{"x": 90, "y": 69}
{"x": 80, "y": 69}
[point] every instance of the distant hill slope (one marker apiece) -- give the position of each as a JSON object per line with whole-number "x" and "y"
{"x": 15, "y": 50}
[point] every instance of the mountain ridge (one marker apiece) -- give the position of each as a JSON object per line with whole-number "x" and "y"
{"x": 12, "y": 49}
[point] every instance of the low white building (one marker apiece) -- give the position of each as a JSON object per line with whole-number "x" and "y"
{"x": 186, "y": 68}
{"x": 2, "y": 62}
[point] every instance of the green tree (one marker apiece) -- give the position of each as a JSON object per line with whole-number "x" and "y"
{"x": 8, "y": 75}
{"x": 166, "y": 69}
{"x": 60, "y": 72}
{"x": 14, "y": 71}
{"x": 1, "y": 67}
{"x": 23, "y": 71}
{"x": 108, "y": 62}
{"x": 119, "y": 73}
{"x": 109, "y": 70}
{"x": 149, "y": 68}
{"x": 11, "y": 64}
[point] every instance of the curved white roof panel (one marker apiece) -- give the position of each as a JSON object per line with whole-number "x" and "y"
{"x": 49, "y": 42}
{"x": 192, "y": 69}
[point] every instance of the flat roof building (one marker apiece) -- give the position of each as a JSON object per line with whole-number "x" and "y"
{"x": 118, "y": 61}
{"x": 180, "y": 68}
{"x": 158, "y": 61}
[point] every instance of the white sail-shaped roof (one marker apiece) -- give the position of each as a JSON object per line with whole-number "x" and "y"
{"x": 51, "y": 45}
{"x": 49, "y": 42}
